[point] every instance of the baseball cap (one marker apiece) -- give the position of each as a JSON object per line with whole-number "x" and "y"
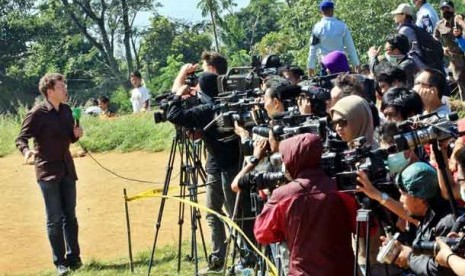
{"x": 444, "y": 4}
{"x": 404, "y": 9}
{"x": 326, "y": 4}
{"x": 419, "y": 180}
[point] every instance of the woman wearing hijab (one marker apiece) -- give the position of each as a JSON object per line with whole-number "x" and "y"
{"x": 352, "y": 118}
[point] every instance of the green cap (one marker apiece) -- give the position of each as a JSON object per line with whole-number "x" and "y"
{"x": 419, "y": 180}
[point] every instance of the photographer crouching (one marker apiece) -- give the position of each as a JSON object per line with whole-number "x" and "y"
{"x": 307, "y": 213}
{"x": 223, "y": 155}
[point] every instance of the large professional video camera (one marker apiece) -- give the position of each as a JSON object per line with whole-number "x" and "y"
{"x": 249, "y": 77}
{"x": 246, "y": 112}
{"x": 163, "y": 102}
{"x": 343, "y": 165}
{"x": 317, "y": 96}
{"x": 420, "y": 130}
{"x": 261, "y": 180}
{"x": 289, "y": 124}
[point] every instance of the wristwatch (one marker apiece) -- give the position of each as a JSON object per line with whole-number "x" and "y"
{"x": 254, "y": 160}
{"x": 384, "y": 198}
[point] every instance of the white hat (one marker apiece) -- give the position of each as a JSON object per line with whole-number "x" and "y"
{"x": 403, "y": 8}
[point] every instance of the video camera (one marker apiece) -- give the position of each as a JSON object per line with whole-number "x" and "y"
{"x": 344, "y": 166}
{"x": 246, "y": 112}
{"x": 317, "y": 96}
{"x": 431, "y": 248}
{"x": 261, "y": 180}
{"x": 163, "y": 102}
{"x": 287, "y": 125}
{"x": 421, "y": 130}
{"x": 249, "y": 77}
{"x": 457, "y": 245}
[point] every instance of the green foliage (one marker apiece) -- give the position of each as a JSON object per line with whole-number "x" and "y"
{"x": 164, "y": 81}
{"x": 126, "y": 133}
{"x": 10, "y": 126}
{"x": 243, "y": 29}
{"x": 121, "y": 100}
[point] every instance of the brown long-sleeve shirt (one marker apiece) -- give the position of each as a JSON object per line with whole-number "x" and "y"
{"x": 52, "y": 131}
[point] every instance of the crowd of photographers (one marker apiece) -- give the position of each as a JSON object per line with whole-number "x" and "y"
{"x": 338, "y": 174}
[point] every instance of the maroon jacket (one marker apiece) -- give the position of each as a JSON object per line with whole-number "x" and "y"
{"x": 308, "y": 214}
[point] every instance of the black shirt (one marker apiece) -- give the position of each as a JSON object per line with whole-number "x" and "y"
{"x": 222, "y": 155}
{"x": 52, "y": 131}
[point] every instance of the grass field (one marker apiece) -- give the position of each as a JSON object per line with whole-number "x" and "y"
{"x": 124, "y": 133}
{"x": 165, "y": 263}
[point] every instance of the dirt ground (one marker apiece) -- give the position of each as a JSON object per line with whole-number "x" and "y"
{"x": 24, "y": 247}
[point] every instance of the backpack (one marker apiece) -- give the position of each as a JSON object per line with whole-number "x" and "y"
{"x": 431, "y": 52}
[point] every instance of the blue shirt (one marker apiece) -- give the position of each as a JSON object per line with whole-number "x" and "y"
{"x": 332, "y": 34}
{"x": 427, "y": 18}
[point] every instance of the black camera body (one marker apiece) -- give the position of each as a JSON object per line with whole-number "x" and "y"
{"x": 192, "y": 80}
{"x": 431, "y": 248}
{"x": 246, "y": 112}
{"x": 287, "y": 125}
{"x": 261, "y": 180}
{"x": 421, "y": 130}
{"x": 344, "y": 164}
{"x": 163, "y": 103}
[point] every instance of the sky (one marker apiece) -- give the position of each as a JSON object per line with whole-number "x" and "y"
{"x": 180, "y": 9}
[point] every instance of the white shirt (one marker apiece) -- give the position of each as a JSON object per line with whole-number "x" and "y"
{"x": 138, "y": 97}
{"x": 427, "y": 18}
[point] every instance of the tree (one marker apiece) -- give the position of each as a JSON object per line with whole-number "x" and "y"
{"x": 167, "y": 37}
{"x": 214, "y": 8}
{"x": 101, "y": 24}
{"x": 368, "y": 21}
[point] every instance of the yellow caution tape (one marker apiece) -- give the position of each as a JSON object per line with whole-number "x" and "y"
{"x": 225, "y": 219}
{"x": 150, "y": 193}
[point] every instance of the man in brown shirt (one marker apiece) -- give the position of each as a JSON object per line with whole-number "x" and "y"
{"x": 444, "y": 33}
{"x": 52, "y": 126}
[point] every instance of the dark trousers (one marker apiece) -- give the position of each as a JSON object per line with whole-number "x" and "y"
{"x": 62, "y": 226}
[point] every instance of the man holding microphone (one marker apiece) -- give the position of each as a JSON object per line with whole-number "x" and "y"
{"x": 53, "y": 129}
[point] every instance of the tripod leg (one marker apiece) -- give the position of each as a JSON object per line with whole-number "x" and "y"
{"x": 128, "y": 225}
{"x": 367, "y": 246}
{"x": 228, "y": 244}
{"x": 166, "y": 184}
{"x": 180, "y": 223}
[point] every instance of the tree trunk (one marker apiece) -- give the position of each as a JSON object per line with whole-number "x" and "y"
{"x": 127, "y": 36}
{"x": 212, "y": 14}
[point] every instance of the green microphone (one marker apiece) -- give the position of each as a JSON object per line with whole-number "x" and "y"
{"x": 76, "y": 115}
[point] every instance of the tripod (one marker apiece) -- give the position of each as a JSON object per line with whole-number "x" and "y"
{"x": 190, "y": 171}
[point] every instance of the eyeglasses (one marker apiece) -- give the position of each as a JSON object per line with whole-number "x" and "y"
{"x": 342, "y": 122}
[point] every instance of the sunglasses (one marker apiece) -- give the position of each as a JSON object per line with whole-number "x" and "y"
{"x": 342, "y": 122}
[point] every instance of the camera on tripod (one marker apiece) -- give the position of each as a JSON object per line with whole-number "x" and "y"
{"x": 249, "y": 77}
{"x": 421, "y": 130}
{"x": 261, "y": 180}
{"x": 163, "y": 102}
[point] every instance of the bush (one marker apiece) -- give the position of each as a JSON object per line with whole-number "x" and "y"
{"x": 126, "y": 133}
{"x": 121, "y": 100}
